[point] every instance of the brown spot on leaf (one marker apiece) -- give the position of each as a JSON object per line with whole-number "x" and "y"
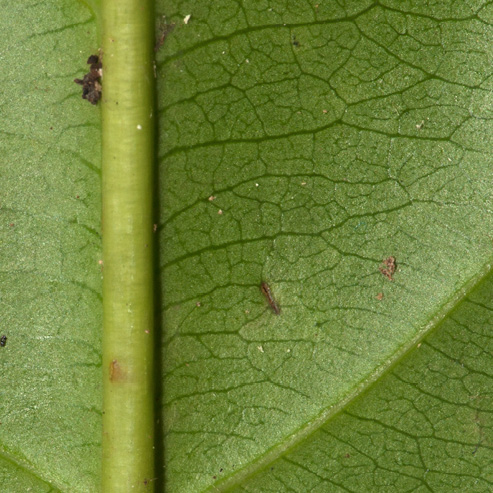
{"x": 388, "y": 268}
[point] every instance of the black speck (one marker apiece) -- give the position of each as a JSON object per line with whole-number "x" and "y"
{"x": 3, "y": 341}
{"x": 93, "y": 59}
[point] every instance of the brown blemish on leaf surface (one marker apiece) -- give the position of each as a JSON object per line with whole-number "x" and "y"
{"x": 388, "y": 268}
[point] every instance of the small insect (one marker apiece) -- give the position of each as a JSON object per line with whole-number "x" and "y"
{"x": 3, "y": 341}
{"x": 264, "y": 287}
{"x": 163, "y": 31}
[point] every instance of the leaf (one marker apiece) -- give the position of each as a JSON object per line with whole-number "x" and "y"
{"x": 50, "y": 404}
{"x": 330, "y": 138}
{"x": 426, "y": 426}
{"x": 302, "y": 146}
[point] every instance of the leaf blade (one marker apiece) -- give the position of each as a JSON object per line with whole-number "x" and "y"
{"x": 313, "y": 207}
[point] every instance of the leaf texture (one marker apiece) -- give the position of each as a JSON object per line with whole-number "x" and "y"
{"x": 299, "y": 145}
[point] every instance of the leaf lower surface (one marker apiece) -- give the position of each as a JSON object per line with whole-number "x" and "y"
{"x": 302, "y": 145}
{"x": 50, "y": 390}
{"x": 299, "y": 145}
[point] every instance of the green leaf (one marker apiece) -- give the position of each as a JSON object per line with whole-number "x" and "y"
{"x": 299, "y": 145}
{"x": 426, "y": 426}
{"x": 302, "y": 146}
{"x": 50, "y": 295}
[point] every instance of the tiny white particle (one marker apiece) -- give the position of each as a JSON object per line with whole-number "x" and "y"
{"x": 220, "y": 211}
{"x": 256, "y": 184}
{"x": 139, "y": 127}
{"x": 187, "y": 18}
{"x": 260, "y": 348}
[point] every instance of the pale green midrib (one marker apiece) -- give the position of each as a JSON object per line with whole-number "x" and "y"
{"x": 274, "y": 453}
{"x": 128, "y": 120}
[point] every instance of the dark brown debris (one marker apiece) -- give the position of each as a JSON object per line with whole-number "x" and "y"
{"x": 91, "y": 83}
{"x": 3, "y": 341}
